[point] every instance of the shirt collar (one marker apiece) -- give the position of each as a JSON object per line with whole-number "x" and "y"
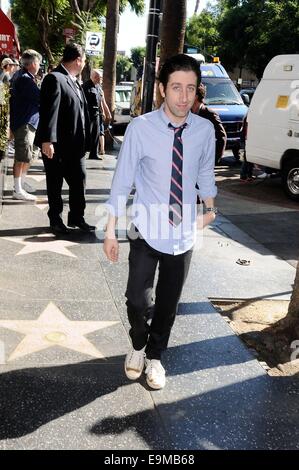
{"x": 70, "y": 75}
{"x": 29, "y": 73}
{"x": 166, "y": 120}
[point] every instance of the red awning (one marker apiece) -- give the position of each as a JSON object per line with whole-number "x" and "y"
{"x": 9, "y": 43}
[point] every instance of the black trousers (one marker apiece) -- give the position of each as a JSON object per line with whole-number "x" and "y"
{"x": 74, "y": 173}
{"x": 94, "y": 137}
{"x": 173, "y": 270}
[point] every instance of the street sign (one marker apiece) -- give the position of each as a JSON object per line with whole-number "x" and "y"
{"x": 9, "y": 44}
{"x": 93, "y": 45}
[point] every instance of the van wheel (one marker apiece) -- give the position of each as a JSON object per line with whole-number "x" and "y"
{"x": 290, "y": 179}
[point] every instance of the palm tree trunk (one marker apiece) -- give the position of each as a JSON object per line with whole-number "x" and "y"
{"x": 277, "y": 340}
{"x": 173, "y": 33}
{"x": 196, "y": 7}
{"x": 110, "y": 51}
{"x": 173, "y": 28}
{"x": 291, "y": 321}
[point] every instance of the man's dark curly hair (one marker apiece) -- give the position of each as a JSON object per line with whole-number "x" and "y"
{"x": 177, "y": 63}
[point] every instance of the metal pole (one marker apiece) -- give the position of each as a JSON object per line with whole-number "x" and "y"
{"x": 150, "y": 57}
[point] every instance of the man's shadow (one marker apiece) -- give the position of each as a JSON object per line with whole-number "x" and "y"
{"x": 32, "y": 397}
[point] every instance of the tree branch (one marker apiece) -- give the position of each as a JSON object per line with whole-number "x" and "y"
{"x": 75, "y": 6}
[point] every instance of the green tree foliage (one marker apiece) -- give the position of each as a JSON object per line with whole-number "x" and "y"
{"x": 251, "y": 32}
{"x": 138, "y": 6}
{"x": 40, "y": 24}
{"x": 202, "y": 32}
{"x": 4, "y": 114}
{"x": 123, "y": 67}
{"x": 137, "y": 58}
{"x": 246, "y": 33}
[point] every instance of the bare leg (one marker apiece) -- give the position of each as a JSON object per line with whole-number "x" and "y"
{"x": 102, "y": 145}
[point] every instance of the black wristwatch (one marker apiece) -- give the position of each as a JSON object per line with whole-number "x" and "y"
{"x": 211, "y": 209}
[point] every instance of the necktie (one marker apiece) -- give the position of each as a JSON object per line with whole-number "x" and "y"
{"x": 176, "y": 183}
{"x": 78, "y": 89}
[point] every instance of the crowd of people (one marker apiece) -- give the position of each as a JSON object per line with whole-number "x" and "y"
{"x": 63, "y": 119}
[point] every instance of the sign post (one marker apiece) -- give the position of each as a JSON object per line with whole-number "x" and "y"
{"x": 93, "y": 44}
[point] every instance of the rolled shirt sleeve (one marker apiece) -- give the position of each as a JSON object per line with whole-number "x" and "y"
{"x": 206, "y": 175}
{"x": 124, "y": 175}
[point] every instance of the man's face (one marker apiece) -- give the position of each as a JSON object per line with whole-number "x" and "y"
{"x": 179, "y": 94}
{"x": 10, "y": 69}
{"x": 97, "y": 78}
{"x": 34, "y": 67}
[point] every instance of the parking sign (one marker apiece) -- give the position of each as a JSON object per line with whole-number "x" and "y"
{"x": 93, "y": 44}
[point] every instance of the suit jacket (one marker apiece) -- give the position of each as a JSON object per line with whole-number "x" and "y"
{"x": 220, "y": 133}
{"x": 64, "y": 118}
{"x": 93, "y": 98}
{"x": 24, "y": 100}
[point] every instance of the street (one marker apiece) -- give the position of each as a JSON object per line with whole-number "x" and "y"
{"x": 261, "y": 209}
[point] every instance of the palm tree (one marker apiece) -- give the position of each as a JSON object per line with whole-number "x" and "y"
{"x": 281, "y": 338}
{"x": 114, "y": 8}
{"x": 173, "y": 32}
{"x": 110, "y": 51}
{"x": 173, "y": 28}
{"x": 196, "y": 6}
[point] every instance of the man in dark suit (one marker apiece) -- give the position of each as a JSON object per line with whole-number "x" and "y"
{"x": 93, "y": 97}
{"x": 202, "y": 110}
{"x": 64, "y": 136}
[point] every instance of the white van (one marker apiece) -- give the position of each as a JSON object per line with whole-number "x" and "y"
{"x": 273, "y": 121}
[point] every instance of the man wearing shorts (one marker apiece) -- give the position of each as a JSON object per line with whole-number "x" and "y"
{"x": 24, "y": 117}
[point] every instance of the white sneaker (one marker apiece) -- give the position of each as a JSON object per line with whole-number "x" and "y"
{"x": 263, "y": 175}
{"x": 23, "y": 196}
{"x": 155, "y": 373}
{"x": 134, "y": 363}
{"x": 28, "y": 188}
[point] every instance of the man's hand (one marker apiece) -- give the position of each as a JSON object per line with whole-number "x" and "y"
{"x": 48, "y": 149}
{"x": 205, "y": 219}
{"x": 111, "y": 249}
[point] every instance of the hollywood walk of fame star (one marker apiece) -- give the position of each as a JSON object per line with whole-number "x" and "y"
{"x": 53, "y": 328}
{"x": 43, "y": 242}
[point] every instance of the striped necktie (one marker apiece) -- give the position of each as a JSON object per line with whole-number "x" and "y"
{"x": 176, "y": 184}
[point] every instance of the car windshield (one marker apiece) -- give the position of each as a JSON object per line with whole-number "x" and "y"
{"x": 221, "y": 92}
{"x": 122, "y": 96}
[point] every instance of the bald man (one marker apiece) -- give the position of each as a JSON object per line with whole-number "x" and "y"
{"x": 93, "y": 94}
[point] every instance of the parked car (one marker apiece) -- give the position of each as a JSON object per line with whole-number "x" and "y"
{"x": 223, "y": 97}
{"x": 249, "y": 92}
{"x": 122, "y": 104}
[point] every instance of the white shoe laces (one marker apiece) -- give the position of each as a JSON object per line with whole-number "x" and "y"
{"x": 135, "y": 360}
{"x": 154, "y": 369}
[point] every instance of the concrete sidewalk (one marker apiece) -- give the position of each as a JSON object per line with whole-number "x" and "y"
{"x": 64, "y": 336}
